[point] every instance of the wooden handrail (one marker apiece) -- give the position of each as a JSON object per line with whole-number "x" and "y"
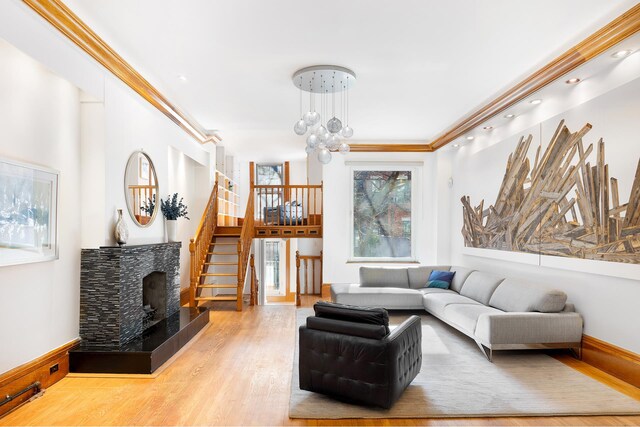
{"x": 199, "y": 244}
{"x": 244, "y": 247}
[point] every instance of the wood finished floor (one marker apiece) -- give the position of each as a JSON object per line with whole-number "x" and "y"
{"x": 237, "y": 373}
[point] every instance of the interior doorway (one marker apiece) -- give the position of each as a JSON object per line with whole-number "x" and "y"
{"x": 275, "y": 277}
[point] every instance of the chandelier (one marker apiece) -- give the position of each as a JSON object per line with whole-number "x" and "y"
{"x": 331, "y": 84}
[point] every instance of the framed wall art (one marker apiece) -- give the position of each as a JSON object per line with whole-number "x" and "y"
{"x": 28, "y": 213}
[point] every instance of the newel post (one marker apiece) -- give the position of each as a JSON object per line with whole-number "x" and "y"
{"x": 194, "y": 274}
{"x": 254, "y": 292}
{"x": 298, "y": 302}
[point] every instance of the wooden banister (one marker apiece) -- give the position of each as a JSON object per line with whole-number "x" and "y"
{"x": 254, "y": 282}
{"x": 244, "y": 247}
{"x": 199, "y": 244}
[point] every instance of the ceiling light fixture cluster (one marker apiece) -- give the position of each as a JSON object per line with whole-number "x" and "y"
{"x": 328, "y": 82}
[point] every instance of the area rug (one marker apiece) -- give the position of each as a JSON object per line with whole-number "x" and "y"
{"x": 456, "y": 380}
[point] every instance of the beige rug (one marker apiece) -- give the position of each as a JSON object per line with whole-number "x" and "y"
{"x": 457, "y": 381}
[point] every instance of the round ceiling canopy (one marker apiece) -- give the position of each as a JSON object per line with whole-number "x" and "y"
{"x": 324, "y": 79}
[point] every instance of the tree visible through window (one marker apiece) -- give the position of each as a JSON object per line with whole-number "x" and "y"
{"x": 381, "y": 214}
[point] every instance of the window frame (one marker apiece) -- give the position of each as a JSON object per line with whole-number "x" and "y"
{"x": 416, "y": 207}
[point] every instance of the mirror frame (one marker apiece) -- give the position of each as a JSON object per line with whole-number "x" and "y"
{"x": 134, "y": 157}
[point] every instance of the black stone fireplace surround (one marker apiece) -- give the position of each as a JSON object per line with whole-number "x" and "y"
{"x": 130, "y": 315}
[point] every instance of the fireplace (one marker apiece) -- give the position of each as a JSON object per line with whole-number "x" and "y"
{"x": 116, "y": 284}
{"x": 130, "y": 315}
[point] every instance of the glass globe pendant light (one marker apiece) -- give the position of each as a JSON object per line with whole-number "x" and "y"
{"x": 300, "y": 128}
{"x": 333, "y": 142}
{"x": 344, "y": 148}
{"x": 324, "y": 156}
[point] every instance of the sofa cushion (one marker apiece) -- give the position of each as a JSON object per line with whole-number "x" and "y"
{"x": 419, "y": 276}
{"x": 480, "y": 286}
{"x": 462, "y": 273}
{"x": 515, "y": 295}
{"x": 381, "y": 277}
{"x": 466, "y": 316}
{"x": 389, "y": 298}
{"x": 435, "y": 303}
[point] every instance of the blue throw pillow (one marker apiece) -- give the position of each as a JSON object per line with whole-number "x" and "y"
{"x": 445, "y": 276}
{"x": 438, "y": 284}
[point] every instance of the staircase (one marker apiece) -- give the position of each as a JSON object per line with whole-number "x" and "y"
{"x": 219, "y": 280}
{"x": 221, "y": 257}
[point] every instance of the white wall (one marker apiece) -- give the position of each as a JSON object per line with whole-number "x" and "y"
{"x": 185, "y": 178}
{"x": 609, "y": 304}
{"x": 89, "y": 139}
{"x": 337, "y": 218}
{"x": 39, "y": 124}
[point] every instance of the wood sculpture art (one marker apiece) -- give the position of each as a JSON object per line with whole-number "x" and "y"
{"x": 561, "y": 206}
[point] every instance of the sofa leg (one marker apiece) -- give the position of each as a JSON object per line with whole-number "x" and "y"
{"x": 577, "y": 352}
{"x": 488, "y": 353}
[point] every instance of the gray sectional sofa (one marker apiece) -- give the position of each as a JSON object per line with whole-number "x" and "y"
{"x": 498, "y": 313}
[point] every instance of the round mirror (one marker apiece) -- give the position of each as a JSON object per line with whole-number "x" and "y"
{"x": 141, "y": 189}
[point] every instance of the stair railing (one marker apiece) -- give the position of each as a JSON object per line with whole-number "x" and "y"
{"x": 200, "y": 243}
{"x": 309, "y": 277}
{"x": 289, "y": 204}
{"x": 244, "y": 247}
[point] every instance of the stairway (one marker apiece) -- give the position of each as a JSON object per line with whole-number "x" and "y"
{"x": 219, "y": 279}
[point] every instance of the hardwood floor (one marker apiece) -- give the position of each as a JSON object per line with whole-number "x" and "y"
{"x": 237, "y": 373}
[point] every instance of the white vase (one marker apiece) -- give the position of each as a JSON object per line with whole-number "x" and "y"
{"x": 172, "y": 230}
{"x": 120, "y": 231}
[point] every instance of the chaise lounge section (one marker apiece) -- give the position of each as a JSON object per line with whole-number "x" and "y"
{"x": 498, "y": 313}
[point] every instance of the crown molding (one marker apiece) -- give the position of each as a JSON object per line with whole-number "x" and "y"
{"x": 608, "y": 36}
{"x": 390, "y": 148}
{"x": 69, "y": 24}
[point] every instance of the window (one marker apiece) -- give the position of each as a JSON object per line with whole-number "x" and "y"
{"x": 383, "y": 212}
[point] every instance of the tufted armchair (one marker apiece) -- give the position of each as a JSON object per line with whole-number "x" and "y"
{"x": 349, "y": 353}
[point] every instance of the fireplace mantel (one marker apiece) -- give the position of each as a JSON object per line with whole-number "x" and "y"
{"x": 111, "y": 289}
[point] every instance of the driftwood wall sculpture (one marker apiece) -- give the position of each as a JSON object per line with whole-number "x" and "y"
{"x": 561, "y": 206}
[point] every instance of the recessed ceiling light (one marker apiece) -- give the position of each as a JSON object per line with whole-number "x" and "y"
{"x": 573, "y": 81}
{"x": 470, "y": 138}
{"x": 535, "y": 101}
{"x": 182, "y": 77}
{"x": 509, "y": 116}
{"x": 621, "y": 54}
{"x": 456, "y": 145}
{"x": 487, "y": 127}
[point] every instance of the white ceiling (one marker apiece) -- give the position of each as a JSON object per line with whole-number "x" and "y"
{"x": 421, "y": 64}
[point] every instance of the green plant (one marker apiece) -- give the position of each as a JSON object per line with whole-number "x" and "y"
{"x": 172, "y": 208}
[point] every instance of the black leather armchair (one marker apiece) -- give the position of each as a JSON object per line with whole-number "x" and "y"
{"x": 348, "y": 353}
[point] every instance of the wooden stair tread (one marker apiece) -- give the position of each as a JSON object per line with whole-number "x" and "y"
{"x": 218, "y": 285}
{"x": 222, "y": 253}
{"x": 221, "y": 263}
{"x": 218, "y": 298}
{"x": 226, "y": 235}
{"x": 220, "y": 274}
{"x": 223, "y": 244}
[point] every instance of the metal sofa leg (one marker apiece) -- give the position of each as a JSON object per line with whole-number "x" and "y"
{"x": 488, "y": 353}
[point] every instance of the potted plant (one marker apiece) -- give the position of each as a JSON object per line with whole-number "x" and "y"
{"x": 172, "y": 209}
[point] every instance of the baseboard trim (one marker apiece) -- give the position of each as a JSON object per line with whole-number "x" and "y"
{"x": 619, "y": 362}
{"x": 184, "y": 296}
{"x": 36, "y": 370}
